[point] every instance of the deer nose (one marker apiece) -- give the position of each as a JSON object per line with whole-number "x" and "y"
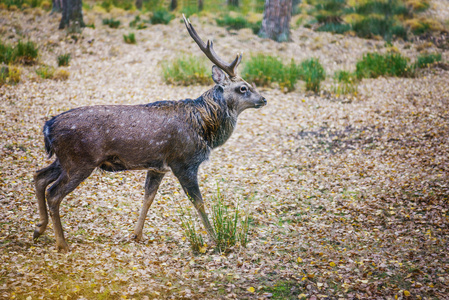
{"x": 264, "y": 101}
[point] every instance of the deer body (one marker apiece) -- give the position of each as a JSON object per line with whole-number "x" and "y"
{"x": 158, "y": 137}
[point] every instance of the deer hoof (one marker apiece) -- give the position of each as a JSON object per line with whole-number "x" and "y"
{"x": 36, "y": 235}
{"x": 137, "y": 237}
{"x": 63, "y": 248}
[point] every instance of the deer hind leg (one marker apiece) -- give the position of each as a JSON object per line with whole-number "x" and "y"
{"x": 152, "y": 183}
{"x": 42, "y": 179}
{"x": 61, "y": 188}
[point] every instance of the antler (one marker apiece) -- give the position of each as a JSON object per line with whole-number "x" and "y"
{"x": 208, "y": 49}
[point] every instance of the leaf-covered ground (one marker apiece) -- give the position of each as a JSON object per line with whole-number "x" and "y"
{"x": 348, "y": 197}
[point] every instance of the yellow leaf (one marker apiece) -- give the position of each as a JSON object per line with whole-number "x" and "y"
{"x": 299, "y": 260}
{"x": 332, "y": 264}
{"x": 406, "y": 293}
{"x": 302, "y": 296}
{"x": 251, "y": 289}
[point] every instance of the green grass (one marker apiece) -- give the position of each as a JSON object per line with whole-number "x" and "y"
{"x": 285, "y": 290}
{"x": 111, "y": 22}
{"x": 64, "y": 59}
{"x": 373, "y": 65}
{"x": 238, "y": 22}
{"x": 312, "y": 72}
{"x": 161, "y": 16}
{"x": 425, "y": 60}
{"x": 123, "y": 4}
{"x": 23, "y": 52}
{"x": 263, "y": 70}
{"x": 345, "y": 83}
{"x": 130, "y": 38}
{"x": 45, "y": 72}
{"x": 9, "y": 75}
{"x": 138, "y": 23}
{"x": 186, "y": 70}
{"x": 387, "y": 28}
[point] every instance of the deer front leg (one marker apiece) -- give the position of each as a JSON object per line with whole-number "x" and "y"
{"x": 152, "y": 183}
{"x": 189, "y": 182}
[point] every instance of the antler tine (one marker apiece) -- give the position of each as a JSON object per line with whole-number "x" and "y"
{"x": 208, "y": 49}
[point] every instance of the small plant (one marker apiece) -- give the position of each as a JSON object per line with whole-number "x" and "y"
{"x": 130, "y": 38}
{"x": 161, "y": 16}
{"x": 45, "y": 72}
{"x": 427, "y": 59}
{"x": 138, "y": 23}
{"x": 312, "y": 72}
{"x": 345, "y": 83}
{"x": 61, "y": 74}
{"x": 25, "y": 53}
{"x": 186, "y": 70}
{"x": 264, "y": 70}
{"x": 192, "y": 234}
{"x": 6, "y": 53}
{"x": 237, "y": 23}
{"x": 111, "y": 22}
{"x": 9, "y": 75}
{"x": 374, "y": 65}
{"x": 64, "y": 59}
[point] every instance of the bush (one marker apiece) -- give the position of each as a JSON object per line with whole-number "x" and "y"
{"x": 64, "y": 59}
{"x": 9, "y": 75}
{"x": 237, "y": 23}
{"x": 374, "y": 25}
{"x": 425, "y": 60}
{"x": 264, "y": 70}
{"x": 138, "y": 23}
{"x": 345, "y": 83}
{"x": 392, "y": 7}
{"x": 45, "y": 72}
{"x": 130, "y": 38}
{"x": 161, "y": 16}
{"x": 186, "y": 70}
{"x": 111, "y": 22}
{"x": 22, "y": 52}
{"x": 374, "y": 65}
{"x": 312, "y": 72}
{"x": 123, "y": 4}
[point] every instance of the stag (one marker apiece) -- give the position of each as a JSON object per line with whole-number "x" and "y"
{"x": 157, "y": 137}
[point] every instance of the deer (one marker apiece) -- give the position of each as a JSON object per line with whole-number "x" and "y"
{"x": 158, "y": 137}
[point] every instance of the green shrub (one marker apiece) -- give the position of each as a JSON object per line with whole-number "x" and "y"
{"x": 25, "y": 52}
{"x": 374, "y": 65}
{"x": 331, "y": 5}
{"x": 45, "y": 72}
{"x": 345, "y": 83}
{"x": 186, "y": 70}
{"x": 111, "y": 22}
{"x": 64, "y": 59}
{"x": 374, "y": 25}
{"x": 6, "y": 53}
{"x": 382, "y": 7}
{"x": 312, "y": 72}
{"x": 123, "y": 4}
{"x": 237, "y": 23}
{"x": 161, "y": 16}
{"x": 138, "y": 23}
{"x": 130, "y": 38}
{"x": 264, "y": 70}
{"x": 9, "y": 75}
{"x": 339, "y": 28}
{"x": 425, "y": 60}
{"x": 190, "y": 10}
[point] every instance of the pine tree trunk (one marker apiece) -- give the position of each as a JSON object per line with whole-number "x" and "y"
{"x": 276, "y": 20}
{"x": 56, "y": 7}
{"x": 200, "y": 5}
{"x": 72, "y": 14}
{"x": 234, "y": 3}
{"x": 173, "y": 4}
{"x": 139, "y": 4}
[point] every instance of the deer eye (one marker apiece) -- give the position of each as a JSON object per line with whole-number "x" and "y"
{"x": 243, "y": 89}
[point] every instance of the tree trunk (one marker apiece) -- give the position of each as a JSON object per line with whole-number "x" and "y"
{"x": 200, "y": 5}
{"x": 139, "y": 4}
{"x": 173, "y": 4}
{"x": 234, "y": 3}
{"x": 56, "y": 7}
{"x": 72, "y": 14}
{"x": 276, "y": 20}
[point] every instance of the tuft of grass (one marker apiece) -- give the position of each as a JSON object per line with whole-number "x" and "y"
{"x": 61, "y": 74}
{"x": 263, "y": 70}
{"x": 312, "y": 72}
{"x": 427, "y": 59}
{"x": 45, "y": 72}
{"x": 111, "y": 22}
{"x": 345, "y": 83}
{"x": 374, "y": 65}
{"x": 161, "y": 16}
{"x": 130, "y": 38}
{"x": 339, "y": 28}
{"x": 186, "y": 70}
{"x": 387, "y": 28}
{"x": 64, "y": 59}
{"x": 238, "y": 22}
{"x": 9, "y": 75}
{"x": 123, "y": 4}
{"x": 230, "y": 226}
{"x": 138, "y": 23}
{"x": 23, "y": 52}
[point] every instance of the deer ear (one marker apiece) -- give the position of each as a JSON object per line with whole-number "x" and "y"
{"x": 219, "y": 76}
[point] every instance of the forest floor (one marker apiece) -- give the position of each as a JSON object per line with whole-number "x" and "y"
{"x": 348, "y": 196}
